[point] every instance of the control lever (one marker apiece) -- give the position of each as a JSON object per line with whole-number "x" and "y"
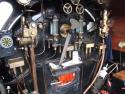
{"x": 76, "y": 60}
{"x": 65, "y": 48}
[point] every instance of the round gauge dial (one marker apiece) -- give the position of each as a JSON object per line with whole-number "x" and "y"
{"x": 6, "y": 41}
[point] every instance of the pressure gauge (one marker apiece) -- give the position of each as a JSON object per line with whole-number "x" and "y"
{"x": 6, "y": 41}
{"x": 24, "y": 2}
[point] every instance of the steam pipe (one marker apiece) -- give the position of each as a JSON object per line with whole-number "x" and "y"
{"x": 34, "y": 71}
{"x": 96, "y": 76}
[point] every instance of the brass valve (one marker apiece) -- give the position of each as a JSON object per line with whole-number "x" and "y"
{"x": 29, "y": 34}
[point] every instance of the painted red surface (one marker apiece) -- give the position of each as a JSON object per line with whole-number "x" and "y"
{"x": 117, "y": 32}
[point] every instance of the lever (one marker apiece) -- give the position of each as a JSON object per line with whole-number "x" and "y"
{"x": 65, "y": 48}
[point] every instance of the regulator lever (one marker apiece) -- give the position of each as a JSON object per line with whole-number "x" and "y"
{"x": 65, "y": 48}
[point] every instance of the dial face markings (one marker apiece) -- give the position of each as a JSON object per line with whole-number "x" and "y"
{"x": 6, "y": 42}
{"x": 67, "y": 8}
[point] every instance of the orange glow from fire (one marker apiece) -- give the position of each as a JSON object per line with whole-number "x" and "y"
{"x": 66, "y": 78}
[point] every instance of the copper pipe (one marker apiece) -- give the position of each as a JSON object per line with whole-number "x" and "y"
{"x": 33, "y": 69}
{"x": 101, "y": 64}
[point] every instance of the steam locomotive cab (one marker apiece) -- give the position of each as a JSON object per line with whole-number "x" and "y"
{"x": 54, "y": 46}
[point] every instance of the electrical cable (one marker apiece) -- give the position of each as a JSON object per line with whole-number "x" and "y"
{"x": 19, "y": 88}
{"x": 23, "y": 79}
{"x": 24, "y": 82}
{"x": 26, "y": 73}
{"x": 51, "y": 56}
{"x": 41, "y": 51}
{"x": 18, "y": 84}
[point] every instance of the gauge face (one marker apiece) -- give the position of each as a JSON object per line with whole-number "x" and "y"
{"x": 23, "y": 2}
{"x": 6, "y": 42}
